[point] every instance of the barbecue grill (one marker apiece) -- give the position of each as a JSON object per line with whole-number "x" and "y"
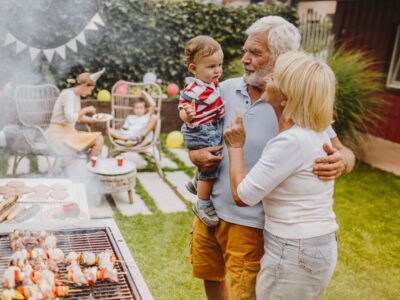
{"x": 95, "y": 236}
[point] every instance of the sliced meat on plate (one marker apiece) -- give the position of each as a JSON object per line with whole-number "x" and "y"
{"x": 59, "y": 195}
{"x": 59, "y": 187}
{"x": 7, "y": 191}
{"x": 41, "y": 188}
{"x": 38, "y": 196}
{"x": 15, "y": 184}
{"x": 25, "y": 190}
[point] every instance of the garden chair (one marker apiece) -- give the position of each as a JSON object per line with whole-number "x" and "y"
{"x": 123, "y": 94}
{"x": 34, "y": 109}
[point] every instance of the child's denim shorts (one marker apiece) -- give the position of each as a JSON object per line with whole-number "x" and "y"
{"x": 202, "y": 136}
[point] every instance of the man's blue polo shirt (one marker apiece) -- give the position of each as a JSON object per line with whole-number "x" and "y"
{"x": 261, "y": 125}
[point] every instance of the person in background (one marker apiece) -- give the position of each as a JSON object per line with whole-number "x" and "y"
{"x": 139, "y": 126}
{"x": 236, "y": 245}
{"x": 67, "y": 111}
{"x": 300, "y": 225}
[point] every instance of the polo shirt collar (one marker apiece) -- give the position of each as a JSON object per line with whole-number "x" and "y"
{"x": 242, "y": 88}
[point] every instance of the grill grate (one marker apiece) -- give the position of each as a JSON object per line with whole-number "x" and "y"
{"x": 79, "y": 240}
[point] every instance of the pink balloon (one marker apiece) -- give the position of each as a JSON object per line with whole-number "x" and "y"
{"x": 122, "y": 89}
{"x": 172, "y": 89}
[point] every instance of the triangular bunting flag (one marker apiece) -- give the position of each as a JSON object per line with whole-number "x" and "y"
{"x": 34, "y": 52}
{"x": 9, "y": 39}
{"x": 61, "y": 51}
{"x": 20, "y": 46}
{"x": 98, "y": 20}
{"x": 72, "y": 45}
{"x": 81, "y": 37}
{"x": 91, "y": 26}
{"x": 49, "y": 53}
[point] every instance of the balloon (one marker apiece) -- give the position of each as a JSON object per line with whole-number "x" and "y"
{"x": 104, "y": 95}
{"x": 122, "y": 89}
{"x": 174, "y": 139}
{"x": 149, "y": 78}
{"x": 172, "y": 89}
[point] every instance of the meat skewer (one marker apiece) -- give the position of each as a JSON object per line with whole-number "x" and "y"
{"x": 55, "y": 254}
{"x": 12, "y": 277}
{"x": 29, "y": 240}
{"x": 88, "y": 258}
{"x": 91, "y": 275}
{"x": 42, "y": 291}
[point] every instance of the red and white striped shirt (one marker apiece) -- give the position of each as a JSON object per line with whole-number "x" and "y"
{"x": 209, "y": 105}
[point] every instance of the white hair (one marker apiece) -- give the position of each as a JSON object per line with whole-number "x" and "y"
{"x": 281, "y": 35}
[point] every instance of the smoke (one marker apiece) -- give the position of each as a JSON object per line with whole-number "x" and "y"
{"x": 39, "y": 24}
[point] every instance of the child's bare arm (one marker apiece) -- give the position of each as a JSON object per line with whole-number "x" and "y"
{"x": 150, "y": 100}
{"x": 187, "y": 111}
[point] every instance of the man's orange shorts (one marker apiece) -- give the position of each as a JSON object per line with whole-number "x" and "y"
{"x": 231, "y": 248}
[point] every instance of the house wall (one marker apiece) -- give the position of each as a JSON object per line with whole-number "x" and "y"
{"x": 371, "y": 25}
{"x": 324, "y": 8}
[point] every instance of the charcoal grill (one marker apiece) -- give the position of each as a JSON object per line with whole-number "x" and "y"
{"x": 91, "y": 238}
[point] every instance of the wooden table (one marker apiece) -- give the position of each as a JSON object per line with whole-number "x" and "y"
{"x": 115, "y": 179}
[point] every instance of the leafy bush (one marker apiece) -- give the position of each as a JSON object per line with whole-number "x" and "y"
{"x": 358, "y": 83}
{"x": 142, "y": 36}
{"x": 234, "y": 69}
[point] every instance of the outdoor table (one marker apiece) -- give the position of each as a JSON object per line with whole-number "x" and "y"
{"x": 115, "y": 179}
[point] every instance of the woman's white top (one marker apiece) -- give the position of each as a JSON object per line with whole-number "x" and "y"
{"x": 297, "y": 204}
{"x": 135, "y": 125}
{"x": 66, "y": 109}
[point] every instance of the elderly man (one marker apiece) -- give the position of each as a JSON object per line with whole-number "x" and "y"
{"x": 236, "y": 245}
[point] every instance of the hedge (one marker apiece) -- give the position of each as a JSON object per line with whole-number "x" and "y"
{"x": 142, "y": 36}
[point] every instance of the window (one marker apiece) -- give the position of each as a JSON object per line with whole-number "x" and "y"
{"x": 393, "y": 80}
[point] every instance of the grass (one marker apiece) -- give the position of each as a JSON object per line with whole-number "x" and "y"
{"x": 367, "y": 203}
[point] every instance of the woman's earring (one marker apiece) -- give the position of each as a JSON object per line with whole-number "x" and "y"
{"x": 283, "y": 103}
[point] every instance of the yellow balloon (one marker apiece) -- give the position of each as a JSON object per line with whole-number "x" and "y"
{"x": 174, "y": 139}
{"x": 104, "y": 95}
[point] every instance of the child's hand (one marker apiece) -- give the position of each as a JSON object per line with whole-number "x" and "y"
{"x": 190, "y": 110}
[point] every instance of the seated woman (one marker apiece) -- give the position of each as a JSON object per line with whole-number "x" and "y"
{"x": 300, "y": 225}
{"x": 138, "y": 127}
{"x": 67, "y": 111}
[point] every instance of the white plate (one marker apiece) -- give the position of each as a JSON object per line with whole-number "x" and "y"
{"x": 100, "y": 117}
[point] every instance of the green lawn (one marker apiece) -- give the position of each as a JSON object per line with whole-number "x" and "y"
{"x": 367, "y": 203}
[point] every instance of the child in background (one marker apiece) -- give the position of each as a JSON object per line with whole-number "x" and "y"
{"x": 202, "y": 110}
{"x": 138, "y": 126}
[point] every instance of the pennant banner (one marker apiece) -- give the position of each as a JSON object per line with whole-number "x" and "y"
{"x": 61, "y": 50}
{"x": 33, "y": 52}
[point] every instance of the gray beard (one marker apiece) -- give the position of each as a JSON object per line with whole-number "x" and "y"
{"x": 256, "y": 79}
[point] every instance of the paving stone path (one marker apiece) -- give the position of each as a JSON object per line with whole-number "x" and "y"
{"x": 169, "y": 194}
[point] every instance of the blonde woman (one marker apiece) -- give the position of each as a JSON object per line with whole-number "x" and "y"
{"x": 67, "y": 112}
{"x": 300, "y": 225}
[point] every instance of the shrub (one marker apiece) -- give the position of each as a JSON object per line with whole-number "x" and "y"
{"x": 356, "y": 94}
{"x": 142, "y": 36}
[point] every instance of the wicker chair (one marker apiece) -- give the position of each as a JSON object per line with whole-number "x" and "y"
{"x": 121, "y": 107}
{"x": 34, "y": 109}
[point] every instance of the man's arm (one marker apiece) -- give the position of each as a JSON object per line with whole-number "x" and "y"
{"x": 340, "y": 161}
{"x": 206, "y": 159}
